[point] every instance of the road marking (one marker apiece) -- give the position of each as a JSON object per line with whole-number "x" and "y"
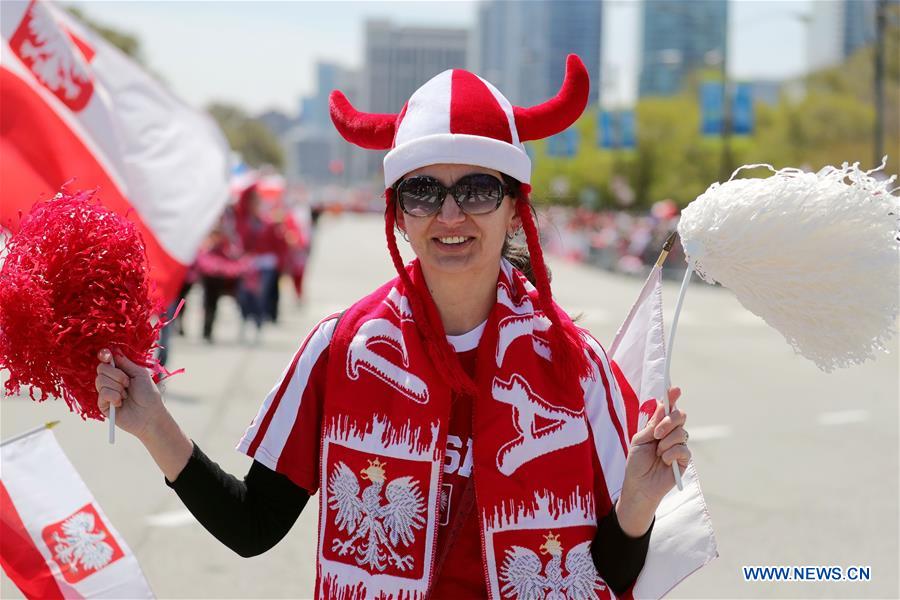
{"x": 708, "y": 432}
{"x": 843, "y": 417}
{"x": 175, "y": 518}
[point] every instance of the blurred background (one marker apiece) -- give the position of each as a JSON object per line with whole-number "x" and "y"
{"x": 683, "y": 92}
{"x": 798, "y": 467}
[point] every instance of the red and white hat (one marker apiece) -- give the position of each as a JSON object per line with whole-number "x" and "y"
{"x": 459, "y": 118}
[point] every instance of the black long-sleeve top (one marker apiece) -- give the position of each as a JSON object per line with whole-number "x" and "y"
{"x": 253, "y": 515}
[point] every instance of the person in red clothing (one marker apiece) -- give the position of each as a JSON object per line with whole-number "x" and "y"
{"x": 221, "y": 266}
{"x": 262, "y": 241}
{"x": 466, "y": 439}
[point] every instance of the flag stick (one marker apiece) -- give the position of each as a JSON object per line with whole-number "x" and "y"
{"x": 669, "y": 345}
{"x": 112, "y": 411}
{"x": 25, "y": 434}
{"x": 667, "y": 247}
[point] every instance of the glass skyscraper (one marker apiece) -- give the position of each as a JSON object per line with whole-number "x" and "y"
{"x": 521, "y": 46}
{"x": 679, "y": 37}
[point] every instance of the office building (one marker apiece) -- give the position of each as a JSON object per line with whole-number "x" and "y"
{"x": 398, "y": 60}
{"x": 314, "y": 151}
{"x": 836, "y": 30}
{"x": 678, "y": 38}
{"x": 521, "y": 47}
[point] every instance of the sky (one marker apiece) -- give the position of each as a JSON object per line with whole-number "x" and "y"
{"x": 261, "y": 54}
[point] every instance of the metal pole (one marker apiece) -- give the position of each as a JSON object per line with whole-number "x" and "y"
{"x": 878, "y": 133}
{"x": 25, "y": 434}
{"x": 725, "y": 168}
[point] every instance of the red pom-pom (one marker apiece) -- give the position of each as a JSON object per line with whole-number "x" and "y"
{"x": 74, "y": 281}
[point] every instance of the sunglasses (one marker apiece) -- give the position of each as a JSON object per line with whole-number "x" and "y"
{"x": 475, "y": 194}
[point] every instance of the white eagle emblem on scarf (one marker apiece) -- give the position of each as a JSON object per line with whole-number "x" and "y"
{"x": 525, "y": 576}
{"x": 375, "y": 528}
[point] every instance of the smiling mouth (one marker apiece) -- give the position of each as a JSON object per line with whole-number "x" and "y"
{"x": 452, "y": 241}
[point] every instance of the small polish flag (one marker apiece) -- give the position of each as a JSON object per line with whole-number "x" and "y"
{"x": 682, "y": 540}
{"x": 55, "y": 540}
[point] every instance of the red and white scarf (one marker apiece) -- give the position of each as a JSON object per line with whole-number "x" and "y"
{"x": 537, "y": 475}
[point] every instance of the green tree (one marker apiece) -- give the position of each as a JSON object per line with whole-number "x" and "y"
{"x": 250, "y": 137}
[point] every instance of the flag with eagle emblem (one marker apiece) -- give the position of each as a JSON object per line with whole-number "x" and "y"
{"x": 683, "y": 538}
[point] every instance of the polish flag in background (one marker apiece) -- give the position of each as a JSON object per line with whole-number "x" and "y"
{"x": 75, "y": 107}
{"x": 683, "y": 539}
{"x": 55, "y": 541}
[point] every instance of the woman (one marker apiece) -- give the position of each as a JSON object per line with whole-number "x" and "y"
{"x": 466, "y": 439}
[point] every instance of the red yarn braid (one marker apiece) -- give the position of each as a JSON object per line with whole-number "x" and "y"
{"x": 566, "y": 343}
{"x": 425, "y": 312}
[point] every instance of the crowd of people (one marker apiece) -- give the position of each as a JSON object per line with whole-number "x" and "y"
{"x": 615, "y": 240}
{"x": 256, "y": 241}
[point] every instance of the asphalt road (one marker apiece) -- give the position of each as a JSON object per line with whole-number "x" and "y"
{"x": 798, "y": 467}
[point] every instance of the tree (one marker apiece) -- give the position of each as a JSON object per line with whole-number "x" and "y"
{"x": 250, "y": 137}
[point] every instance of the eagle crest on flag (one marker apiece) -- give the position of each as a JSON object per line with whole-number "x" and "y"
{"x": 525, "y": 576}
{"x": 375, "y": 528}
{"x": 81, "y": 543}
{"x": 41, "y": 45}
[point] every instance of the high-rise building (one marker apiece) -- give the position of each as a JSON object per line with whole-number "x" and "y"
{"x": 825, "y": 35}
{"x": 838, "y": 29}
{"x": 398, "y": 60}
{"x": 859, "y": 25}
{"x": 573, "y": 26}
{"x": 680, "y": 37}
{"x": 314, "y": 151}
{"x": 521, "y": 47}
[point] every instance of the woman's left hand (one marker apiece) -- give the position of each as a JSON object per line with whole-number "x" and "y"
{"x": 648, "y": 469}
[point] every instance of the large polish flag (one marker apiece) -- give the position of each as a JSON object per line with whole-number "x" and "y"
{"x": 74, "y": 106}
{"x": 683, "y": 539}
{"x": 55, "y": 540}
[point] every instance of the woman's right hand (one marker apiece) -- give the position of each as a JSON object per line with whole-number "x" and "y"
{"x": 130, "y": 388}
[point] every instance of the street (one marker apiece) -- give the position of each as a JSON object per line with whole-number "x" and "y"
{"x": 798, "y": 467}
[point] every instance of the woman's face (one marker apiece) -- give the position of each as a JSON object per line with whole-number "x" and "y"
{"x": 451, "y": 241}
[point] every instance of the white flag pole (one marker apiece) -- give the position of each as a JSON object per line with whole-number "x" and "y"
{"x": 671, "y": 342}
{"x": 25, "y": 434}
{"x": 112, "y": 411}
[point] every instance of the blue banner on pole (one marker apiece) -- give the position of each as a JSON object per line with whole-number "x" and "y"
{"x": 742, "y": 110}
{"x": 711, "y": 105}
{"x": 563, "y": 144}
{"x": 606, "y": 137}
{"x": 626, "y": 129}
{"x": 616, "y": 129}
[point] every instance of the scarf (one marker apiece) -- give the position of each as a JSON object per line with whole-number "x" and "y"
{"x": 384, "y": 430}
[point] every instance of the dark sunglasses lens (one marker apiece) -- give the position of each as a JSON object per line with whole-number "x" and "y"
{"x": 420, "y": 196}
{"x": 479, "y": 194}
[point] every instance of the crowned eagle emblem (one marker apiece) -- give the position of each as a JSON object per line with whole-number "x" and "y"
{"x": 385, "y": 516}
{"x": 525, "y": 576}
{"x": 81, "y": 544}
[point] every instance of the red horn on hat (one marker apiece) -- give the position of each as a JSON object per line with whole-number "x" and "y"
{"x": 373, "y": 131}
{"x": 556, "y": 114}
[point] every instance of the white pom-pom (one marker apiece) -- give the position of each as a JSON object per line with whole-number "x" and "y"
{"x": 816, "y": 255}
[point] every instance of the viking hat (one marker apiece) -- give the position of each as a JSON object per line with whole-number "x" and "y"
{"x": 459, "y": 118}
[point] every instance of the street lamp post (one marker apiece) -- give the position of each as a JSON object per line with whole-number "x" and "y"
{"x": 878, "y": 133}
{"x": 725, "y": 164}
